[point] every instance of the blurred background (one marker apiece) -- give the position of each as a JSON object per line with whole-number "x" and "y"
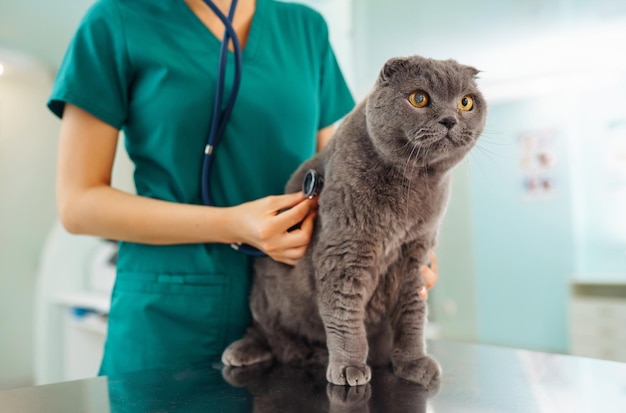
{"x": 532, "y": 252}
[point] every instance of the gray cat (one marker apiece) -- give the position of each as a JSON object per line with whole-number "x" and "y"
{"x": 352, "y": 302}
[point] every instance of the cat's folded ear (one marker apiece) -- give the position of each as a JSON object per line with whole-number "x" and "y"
{"x": 472, "y": 71}
{"x": 393, "y": 65}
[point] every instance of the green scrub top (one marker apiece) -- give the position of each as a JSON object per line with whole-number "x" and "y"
{"x": 149, "y": 68}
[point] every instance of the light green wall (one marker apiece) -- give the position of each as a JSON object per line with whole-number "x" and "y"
{"x": 523, "y": 242}
{"x": 40, "y": 28}
{"x": 454, "y": 300}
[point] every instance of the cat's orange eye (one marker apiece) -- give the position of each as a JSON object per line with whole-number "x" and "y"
{"x": 466, "y": 103}
{"x": 419, "y": 98}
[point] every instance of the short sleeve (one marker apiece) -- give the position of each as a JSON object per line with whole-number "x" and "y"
{"x": 94, "y": 73}
{"x": 335, "y": 97}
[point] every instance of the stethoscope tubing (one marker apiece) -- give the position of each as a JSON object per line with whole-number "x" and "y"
{"x": 221, "y": 116}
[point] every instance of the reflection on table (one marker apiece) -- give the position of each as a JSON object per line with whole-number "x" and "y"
{"x": 476, "y": 378}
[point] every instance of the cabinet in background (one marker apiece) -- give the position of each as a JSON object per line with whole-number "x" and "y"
{"x": 598, "y": 319}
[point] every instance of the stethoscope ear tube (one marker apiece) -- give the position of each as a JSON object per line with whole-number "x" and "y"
{"x": 221, "y": 116}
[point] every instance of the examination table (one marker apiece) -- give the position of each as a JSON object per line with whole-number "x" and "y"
{"x": 476, "y": 378}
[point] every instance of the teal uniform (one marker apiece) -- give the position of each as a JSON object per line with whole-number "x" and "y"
{"x": 149, "y": 68}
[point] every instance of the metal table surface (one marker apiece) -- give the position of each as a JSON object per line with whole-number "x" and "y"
{"x": 476, "y": 378}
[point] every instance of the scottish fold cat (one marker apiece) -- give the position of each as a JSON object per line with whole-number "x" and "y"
{"x": 352, "y": 302}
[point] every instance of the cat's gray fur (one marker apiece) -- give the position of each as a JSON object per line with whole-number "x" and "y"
{"x": 353, "y": 300}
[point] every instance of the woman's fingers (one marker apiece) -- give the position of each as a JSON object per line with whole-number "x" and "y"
{"x": 293, "y": 216}
{"x": 293, "y": 243}
{"x": 279, "y": 203}
{"x": 290, "y": 256}
{"x": 430, "y": 274}
{"x": 435, "y": 271}
{"x": 309, "y": 222}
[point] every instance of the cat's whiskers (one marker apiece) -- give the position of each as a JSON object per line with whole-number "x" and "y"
{"x": 408, "y": 159}
{"x": 409, "y": 144}
{"x": 427, "y": 156}
{"x": 407, "y": 179}
{"x": 411, "y": 139}
{"x": 474, "y": 160}
{"x": 426, "y": 140}
{"x": 508, "y": 141}
{"x": 487, "y": 153}
{"x": 491, "y": 153}
{"x": 464, "y": 138}
{"x": 428, "y": 136}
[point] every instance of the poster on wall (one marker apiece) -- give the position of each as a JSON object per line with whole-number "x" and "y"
{"x": 537, "y": 163}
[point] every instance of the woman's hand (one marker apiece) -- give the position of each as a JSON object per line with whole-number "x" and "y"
{"x": 430, "y": 274}
{"x": 264, "y": 224}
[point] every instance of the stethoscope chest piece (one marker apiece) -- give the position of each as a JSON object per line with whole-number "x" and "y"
{"x": 312, "y": 183}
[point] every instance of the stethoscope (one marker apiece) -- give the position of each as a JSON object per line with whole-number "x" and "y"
{"x": 312, "y": 182}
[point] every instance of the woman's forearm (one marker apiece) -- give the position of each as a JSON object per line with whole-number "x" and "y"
{"x": 106, "y": 212}
{"x": 88, "y": 204}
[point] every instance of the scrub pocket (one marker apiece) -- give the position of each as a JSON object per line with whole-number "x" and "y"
{"x": 173, "y": 320}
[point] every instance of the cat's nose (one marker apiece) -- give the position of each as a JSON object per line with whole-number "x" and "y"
{"x": 448, "y": 122}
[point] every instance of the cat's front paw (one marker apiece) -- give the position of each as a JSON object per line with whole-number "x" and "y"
{"x": 424, "y": 371}
{"x": 352, "y": 375}
{"x": 245, "y": 352}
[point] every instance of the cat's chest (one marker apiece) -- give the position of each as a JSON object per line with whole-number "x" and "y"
{"x": 398, "y": 234}
{"x": 416, "y": 220}
{"x": 391, "y": 249}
